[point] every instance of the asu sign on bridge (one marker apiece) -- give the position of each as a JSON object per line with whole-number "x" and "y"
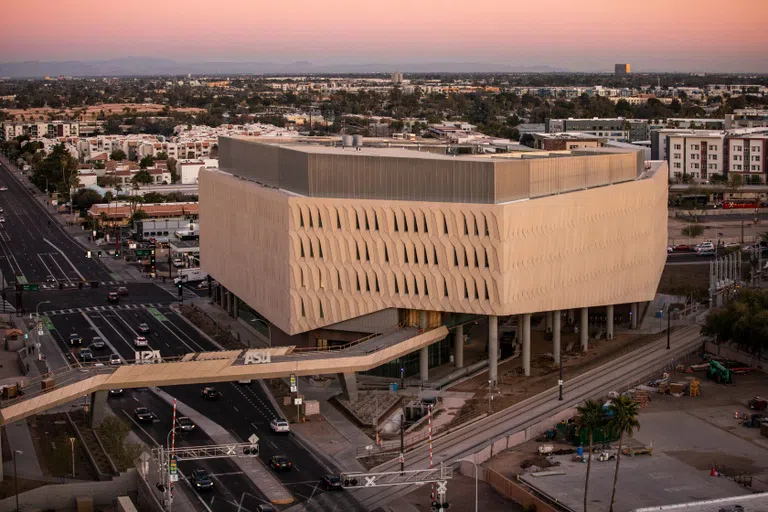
{"x": 211, "y": 367}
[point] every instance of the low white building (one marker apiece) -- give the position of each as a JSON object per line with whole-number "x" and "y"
{"x": 187, "y": 170}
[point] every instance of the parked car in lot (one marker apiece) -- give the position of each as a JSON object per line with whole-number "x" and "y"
{"x": 114, "y": 359}
{"x": 210, "y": 393}
{"x": 185, "y": 424}
{"x": 113, "y": 298}
{"x": 683, "y": 248}
{"x": 177, "y": 262}
{"x": 278, "y": 425}
{"x": 280, "y": 463}
{"x": 140, "y": 341}
{"x": 201, "y": 480}
{"x": 75, "y": 340}
{"x": 97, "y": 343}
{"x": 331, "y": 482}
{"x": 144, "y": 415}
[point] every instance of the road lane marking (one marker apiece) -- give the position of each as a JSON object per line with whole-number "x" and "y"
{"x": 50, "y": 273}
{"x": 65, "y": 257}
{"x": 58, "y": 265}
{"x": 101, "y": 335}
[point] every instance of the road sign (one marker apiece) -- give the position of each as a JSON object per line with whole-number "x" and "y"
{"x": 40, "y": 332}
{"x": 142, "y": 252}
{"x": 297, "y": 401}
{"x": 31, "y": 287}
{"x": 253, "y": 439}
{"x": 294, "y": 387}
{"x": 174, "y": 478}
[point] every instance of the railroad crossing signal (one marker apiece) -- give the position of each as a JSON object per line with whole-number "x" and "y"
{"x": 294, "y": 387}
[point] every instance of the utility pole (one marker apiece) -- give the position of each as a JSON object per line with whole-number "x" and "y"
{"x": 402, "y": 442}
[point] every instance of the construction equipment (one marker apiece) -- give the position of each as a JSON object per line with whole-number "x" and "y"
{"x": 758, "y": 404}
{"x": 695, "y": 388}
{"x": 719, "y": 373}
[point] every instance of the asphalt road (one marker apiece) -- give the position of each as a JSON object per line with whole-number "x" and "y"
{"x": 33, "y": 246}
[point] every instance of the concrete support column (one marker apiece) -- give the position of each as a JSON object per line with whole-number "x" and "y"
{"x": 424, "y": 363}
{"x": 423, "y": 320}
{"x": 571, "y": 316}
{"x": 96, "y": 413}
{"x": 231, "y": 304}
{"x": 609, "y": 322}
{"x": 493, "y": 348}
{"x": 584, "y": 329}
{"x": 235, "y": 306}
{"x": 556, "y": 336}
{"x": 633, "y": 315}
{"x": 348, "y": 383}
{"x": 458, "y": 347}
{"x": 527, "y": 344}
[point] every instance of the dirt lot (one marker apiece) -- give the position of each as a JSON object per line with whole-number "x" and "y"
{"x": 91, "y": 113}
{"x": 689, "y": 436}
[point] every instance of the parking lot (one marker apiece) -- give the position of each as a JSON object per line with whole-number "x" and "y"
{"x": 689, "y": 436}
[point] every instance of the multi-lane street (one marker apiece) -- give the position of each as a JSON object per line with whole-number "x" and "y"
{"x": 36, "y": 249}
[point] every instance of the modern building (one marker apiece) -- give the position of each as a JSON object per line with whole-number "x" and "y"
{"x": 747, "y": 118}
{"x": 40, "y": 130}
{"x": 317, "y": 246}
{"x": 397, "y": 77}
{"x": 565, "y": 141}
{"x": 620, "y": 129}
{"x": 621, "y": 69}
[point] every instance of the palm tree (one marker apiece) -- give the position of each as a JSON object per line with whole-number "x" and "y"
{"x": 590, "y": 417}
{"x": 623, "y": 419}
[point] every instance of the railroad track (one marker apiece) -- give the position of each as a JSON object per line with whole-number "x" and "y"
{"x": 620, "y": 374}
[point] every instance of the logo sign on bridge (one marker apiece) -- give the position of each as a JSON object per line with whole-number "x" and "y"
{"x": 257, "y": 357}
{"x": 148, "y": 357}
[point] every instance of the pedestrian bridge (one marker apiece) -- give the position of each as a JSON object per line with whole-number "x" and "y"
{"x": 70, "y": 384}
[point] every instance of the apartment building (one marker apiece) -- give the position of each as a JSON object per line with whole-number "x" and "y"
{"x": 41, "y": 129}
{"x": 746, "y": 157}
{"x": 565, "y": 141}
{"x": 695, "y": 153}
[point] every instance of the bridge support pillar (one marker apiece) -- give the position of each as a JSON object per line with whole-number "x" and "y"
{"x": 493, "y": 348}
{"x": 556, "y": 317}
{"x": 633, "y": 315}
{"x": 348, "y": 383}
{"x": 548, "y": 321}
{"x": 458, "y": 346}
{"x": 235, "y": 305}
{"x": 526, "y": 337}
{"x": 584, "y": 329}
{"x": 97, "y": 411}
{"x": 609, "y": 322}
{"x": 571, "y": 317}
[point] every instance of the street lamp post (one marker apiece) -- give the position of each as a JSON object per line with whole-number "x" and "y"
{"x": 72, "y": 442}
{"x": 474, "y": 464}
{"x": 16, "y": 478}
{"x": 37, "y": 308}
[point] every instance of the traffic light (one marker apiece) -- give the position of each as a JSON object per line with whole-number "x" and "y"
{"x": 253, "y": 452}
{"x": 117, "y": 254}
{"x": 181, "y": 290}
{"x": 436, "y": 507}
{"x": 152, "y": 260}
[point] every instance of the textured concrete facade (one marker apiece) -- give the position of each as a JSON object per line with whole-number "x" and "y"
{"x": 310, "y": 262}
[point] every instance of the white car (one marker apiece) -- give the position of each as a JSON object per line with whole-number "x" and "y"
{"x": 140, "y": 341}
{"x": 3, "y": 188}
{"x": 114, "y": 360}
{"x": 278, "y": 425}
{"x": 177, "y": 262}
{"x": 705, "y": 246}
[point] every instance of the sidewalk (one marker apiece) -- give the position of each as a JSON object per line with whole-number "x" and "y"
{"x": 265, "y": 480}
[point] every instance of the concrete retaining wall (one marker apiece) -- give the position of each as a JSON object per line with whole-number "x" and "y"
{"x": 64, "y": 496}
{"x": 506, "y": 487}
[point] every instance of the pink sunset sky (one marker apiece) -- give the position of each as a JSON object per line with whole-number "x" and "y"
{"x": 578, "y": 35}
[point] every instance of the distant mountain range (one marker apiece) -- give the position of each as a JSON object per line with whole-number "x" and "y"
{"x": 151, "y": 66}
